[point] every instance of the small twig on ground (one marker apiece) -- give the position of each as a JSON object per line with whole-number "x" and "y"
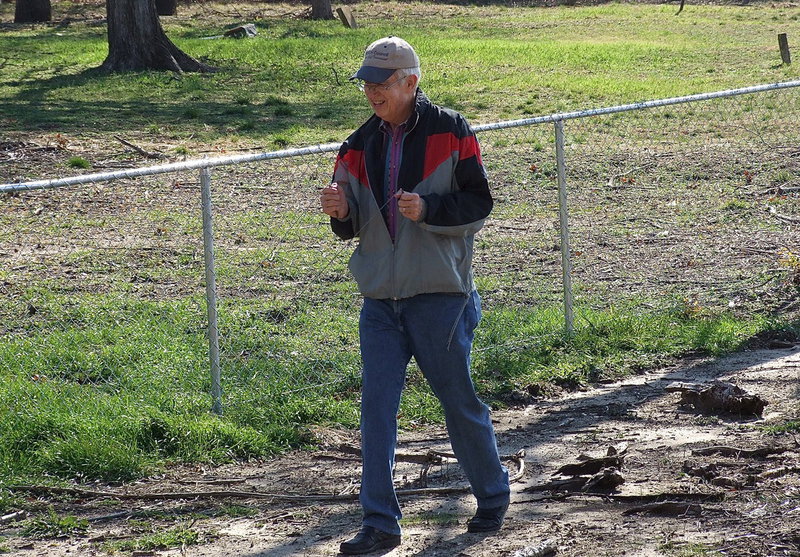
{"x": 13, "y": 517}
{"x": 613, "y": 177}
{"x": 222, "y": 481}
{"x": 112, "y": 516}
{"x": 774, "y": 212}
{"x": 778, "y": 190}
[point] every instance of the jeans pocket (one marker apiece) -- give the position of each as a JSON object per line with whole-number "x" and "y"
{"x": 468, "y": 316}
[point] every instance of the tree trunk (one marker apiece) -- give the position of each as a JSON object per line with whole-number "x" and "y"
{"x": 32, "y": 11}
{"x": 136, "y": 41}
{"x": 321, "y": 9}
{"x": 166, "y": 7}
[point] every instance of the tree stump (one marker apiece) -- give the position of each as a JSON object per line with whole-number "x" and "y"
{"x": 136, "y": 41}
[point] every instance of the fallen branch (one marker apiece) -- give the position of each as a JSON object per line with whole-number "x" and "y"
{"x": 614, "y": 457}
{"x": 738, "y": 453}
{"x": 427, "y": 458}
{"x": 672, "y": 508}
{"x": 568, "y": 485}
{"x": 652, "y": 498}
{"x": 727, "y": 481}
{"x": 779, "y": 472}
{"x": 90, "y": 494}
{"x": 146, "y": 154}
{"x": 607, "y": 480}
{"x": 233, "y": 494}
{"x": 590, "y": 466}
{"x": 542, "y": 549}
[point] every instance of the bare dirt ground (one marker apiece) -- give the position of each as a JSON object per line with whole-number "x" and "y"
{"x": 746, "y": 505}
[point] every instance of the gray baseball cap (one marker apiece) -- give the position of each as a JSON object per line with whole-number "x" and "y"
{"x": 385, "y": 56}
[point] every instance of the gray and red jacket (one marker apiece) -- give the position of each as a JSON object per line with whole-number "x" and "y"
{"x": 441, "y": 161}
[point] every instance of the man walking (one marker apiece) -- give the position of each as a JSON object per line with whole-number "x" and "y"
{"x": 410, "y": 184}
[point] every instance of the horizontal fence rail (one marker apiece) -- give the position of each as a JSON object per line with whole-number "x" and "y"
{"x": 212, "y": 162}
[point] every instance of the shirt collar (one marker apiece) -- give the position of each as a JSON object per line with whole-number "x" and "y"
{"x": 411, "y": 123}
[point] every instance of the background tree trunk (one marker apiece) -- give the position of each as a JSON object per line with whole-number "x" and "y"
{"x": 136, "y": 41}
{"x": 321, "y": 9}
{"x": 166, "y": 7}
{"x": 32, "y": 11}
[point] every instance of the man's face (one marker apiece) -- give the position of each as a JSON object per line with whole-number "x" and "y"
{"x": 392, "y": 100}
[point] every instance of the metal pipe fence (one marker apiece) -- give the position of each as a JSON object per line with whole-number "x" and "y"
{"x": 688, "y": 202}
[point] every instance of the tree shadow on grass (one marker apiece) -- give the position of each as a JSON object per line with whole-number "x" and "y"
{"x": 183, "y": 103}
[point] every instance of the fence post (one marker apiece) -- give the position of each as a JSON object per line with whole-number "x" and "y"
{"x": 211, "y": 292}
{"x": 566, "y": 264}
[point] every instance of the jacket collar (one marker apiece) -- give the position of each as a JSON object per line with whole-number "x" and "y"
{"x": 421, "y": 104}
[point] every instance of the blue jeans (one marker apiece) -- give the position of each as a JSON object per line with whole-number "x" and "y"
{"x": 437, "y": 329}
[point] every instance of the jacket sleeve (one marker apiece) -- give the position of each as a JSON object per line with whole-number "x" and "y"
{"x": 471, "y": 202}
{"x": 345, "y": 228}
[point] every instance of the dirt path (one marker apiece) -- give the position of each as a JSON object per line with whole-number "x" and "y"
{"x": 760, "y": 517}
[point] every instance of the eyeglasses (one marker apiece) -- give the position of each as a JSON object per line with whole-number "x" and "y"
{"x": 373, "y": 87}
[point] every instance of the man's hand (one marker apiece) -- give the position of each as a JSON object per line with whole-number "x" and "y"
{"x": 410, "y": 205}
{"x": 334, "y": 202}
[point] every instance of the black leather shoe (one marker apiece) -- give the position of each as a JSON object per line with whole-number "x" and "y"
{"x": 369, "y": 539}
{"x": 487, "y": 520}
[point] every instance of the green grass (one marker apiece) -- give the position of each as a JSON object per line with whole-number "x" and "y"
{"x": 528, "y": 349}
{"x": 103, "y": 389}
{"x": 432, "y": 518}
{"x": 9, "y": 501}
{"x": 174, "y": 537}
{"x": 484, "y": 61}
{"x": 78, "y": 162}
{"x": 53, "y": 525}
{"x": 791, "y": 426}
{"x": 117, "y": 387}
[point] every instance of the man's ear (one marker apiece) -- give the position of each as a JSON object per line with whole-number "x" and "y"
{"x": 412, "y": 81}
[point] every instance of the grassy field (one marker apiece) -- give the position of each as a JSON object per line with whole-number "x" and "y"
{"x": 103, "y": 353}
{"x": 289, "y": 84}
